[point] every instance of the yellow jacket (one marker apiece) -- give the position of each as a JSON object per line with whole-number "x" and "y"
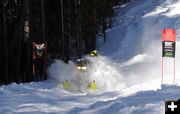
{"x": 93, "y": 85}
{"x": 93, "y": 53}
{"x": 66, "y": 85}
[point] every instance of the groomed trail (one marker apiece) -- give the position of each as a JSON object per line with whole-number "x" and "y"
{"x": 127, "y": 73}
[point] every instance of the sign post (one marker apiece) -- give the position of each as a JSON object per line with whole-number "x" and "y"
{"x": 39, "y": 61}
{"x": 168, "y": 48}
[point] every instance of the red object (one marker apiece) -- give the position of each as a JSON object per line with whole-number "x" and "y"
{"x": 169, "y": 35}
{"x": 36, "y": 57}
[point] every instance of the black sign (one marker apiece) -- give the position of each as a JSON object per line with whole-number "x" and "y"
{"x": 40, "y": 49}
{"x": 168, "y": 49}
{"x": 172, "y": 107}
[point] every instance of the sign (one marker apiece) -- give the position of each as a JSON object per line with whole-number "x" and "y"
{"x": 39, "y": 50}
{"x": 169, "y": 35}
{"x": 39, "y": 60}
{"x": 168, "y": 49}
{"x": 172, "y": 107}
{"x": 168, "y": 42}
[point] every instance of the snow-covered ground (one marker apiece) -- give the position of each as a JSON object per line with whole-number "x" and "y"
{"x": 46, "y": 97}
{"x": 128, "y": 72}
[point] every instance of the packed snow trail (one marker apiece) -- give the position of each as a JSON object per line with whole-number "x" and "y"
{"x": 128, "y": 73}
{"x": 46, "y": 97}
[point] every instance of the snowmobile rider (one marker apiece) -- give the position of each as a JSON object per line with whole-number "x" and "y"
{"x": 93, "y": 85}
{"x": 94, "y": 53}
{"x": 66, "y": 84}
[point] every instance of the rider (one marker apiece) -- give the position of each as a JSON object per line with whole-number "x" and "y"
{"x": 66, "y": 84}
{"x": 93, "y": 85}
{"x": 94, "y": 53}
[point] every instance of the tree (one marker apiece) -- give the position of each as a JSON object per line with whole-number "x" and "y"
{"x": 68, "y": 26}
{"x": 5, "y": 44}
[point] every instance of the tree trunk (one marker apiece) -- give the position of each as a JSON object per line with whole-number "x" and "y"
{"x": 27, "y": 42}
{"x": 78, "y": 28}
{"x": 104, "y": 27}
{"x": 19, "y": 60}
{"x": 43, "y": 20}
{"x": 62, "y": 28}
{"x": 79, "y": 25}
{"x": 5, "y": 43}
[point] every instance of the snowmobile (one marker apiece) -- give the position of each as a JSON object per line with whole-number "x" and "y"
{"x": 81, "y": 64}
{"x": 82, "y": 83}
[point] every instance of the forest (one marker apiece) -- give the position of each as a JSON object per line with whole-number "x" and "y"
{"x": 69, "y": 27}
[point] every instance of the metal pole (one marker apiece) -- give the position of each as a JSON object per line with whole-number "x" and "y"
{"x": 162, "y": 70}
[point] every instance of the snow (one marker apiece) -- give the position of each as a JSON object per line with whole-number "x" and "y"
{"x": 128, "y": 72}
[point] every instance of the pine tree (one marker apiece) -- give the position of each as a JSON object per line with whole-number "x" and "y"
{"x": 5, "y": 44}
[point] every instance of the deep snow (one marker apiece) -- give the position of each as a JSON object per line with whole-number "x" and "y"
{"x": 128, "y": 72}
